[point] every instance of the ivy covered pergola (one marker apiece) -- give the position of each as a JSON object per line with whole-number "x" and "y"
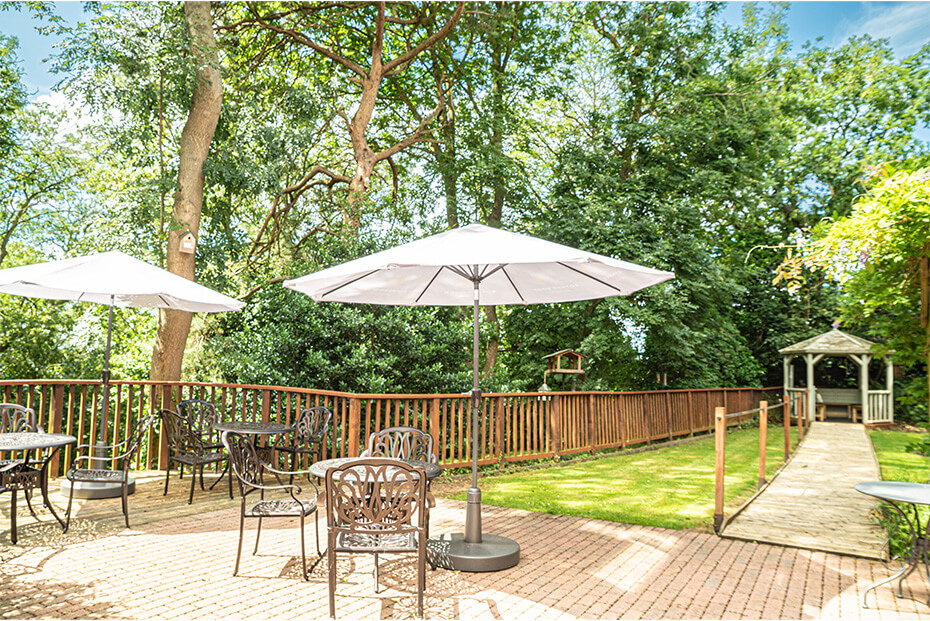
{"x": 877, "y": 405}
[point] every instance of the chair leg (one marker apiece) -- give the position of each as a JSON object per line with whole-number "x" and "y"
{"x": 303, "y": 548}
{"x": 68, "y": 511}
{"x": 168, "y": 476}
{"x": 331, "y": 561}
{"x": 258, "y": 533}
{"x": 13, "y": 514}
{"x": 421, "y": 575}
{"x": 190, "y": 498}
{"x": 239, "y": 550}
{"x": 126, "y": 501}
{"x": 316, "y": 521}
{"x": 201, "y": 478}
{"x": 28, "y": 494}
{"x": 376, "y": 572}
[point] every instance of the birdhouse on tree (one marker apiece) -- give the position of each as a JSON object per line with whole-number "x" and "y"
{"x": 188, "y": 243}
{"x": 566, "y": 363}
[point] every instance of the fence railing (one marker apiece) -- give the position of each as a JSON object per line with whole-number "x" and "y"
{"x": 512, "y": 426}
{"x": 794, "y": 404}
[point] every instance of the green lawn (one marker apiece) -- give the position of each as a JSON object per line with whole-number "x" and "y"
{"x": 672, "y": 487}
{"x": 895, "y": 462}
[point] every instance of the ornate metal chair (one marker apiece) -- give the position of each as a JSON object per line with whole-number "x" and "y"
{"x": 186, "y": 447}
{"x": 309, "y": 435}
{"x": 401, "y": 443}
{"x": 202, "y": 414}
{"x": 19, "y": 474}
{"x": 250, "y": 472}
{"x": 121, "y": 463}
{"x": 377, "y": 506}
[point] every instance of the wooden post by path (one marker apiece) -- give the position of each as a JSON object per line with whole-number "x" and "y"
{"x": 720, "y": 437}
{"x": 763, "y": 438}
{"x": 786, "y": 410}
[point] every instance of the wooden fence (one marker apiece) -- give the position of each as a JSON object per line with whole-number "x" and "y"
{"x": 512, "y": 426}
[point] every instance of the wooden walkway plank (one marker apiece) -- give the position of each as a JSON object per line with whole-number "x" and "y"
{"x": 811, "y": 504}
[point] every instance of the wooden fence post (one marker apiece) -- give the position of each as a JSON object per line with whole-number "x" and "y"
{"x": 555, "y": 425}
{"x": 434, "y": 428}
{"x": 647, "y": 421}
{"x": 500, "y": 428}
{"x": 54, "y": 421}
{"x": 690, "y": 414}
{"x": 668, "y": 414}
{"x": 763, "y": 438}
{"x": 720, "y": 439}
{"x": 355, "y": 422}
{"x": 266, "y": 405}
{"x": 592, "y": 434}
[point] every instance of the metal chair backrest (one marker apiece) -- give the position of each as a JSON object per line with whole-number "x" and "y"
{"x": 135, "y": 438}
{"x": 376, "y": 495}
{"x": 402, "y": 443}
{"x": 312, "y": 425}
{"x": 179, "y": 433}
{"x": 201, "y": 414}
{"x": 15, "y": 418}
{"x": 245, "y": 462}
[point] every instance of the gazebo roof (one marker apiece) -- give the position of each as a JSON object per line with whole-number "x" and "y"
{"x": 835, "y": 342}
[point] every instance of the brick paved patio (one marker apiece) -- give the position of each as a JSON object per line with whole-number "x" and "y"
{"x": 181, "y": 567}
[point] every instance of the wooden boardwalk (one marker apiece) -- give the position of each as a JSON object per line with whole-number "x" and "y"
{"x": 811, "y": 504}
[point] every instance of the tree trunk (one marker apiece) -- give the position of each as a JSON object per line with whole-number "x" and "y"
{"x": 174, "y": 326}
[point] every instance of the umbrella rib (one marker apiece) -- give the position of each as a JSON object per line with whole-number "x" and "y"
{"x": 429, "y": 284}
{"x": 346, "y": 284}
{"x": 595, "y": 279}
{"x": 512, "y": 284}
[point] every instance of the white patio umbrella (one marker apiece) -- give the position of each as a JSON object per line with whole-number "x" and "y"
{"x": 469, "y": 266}
{"x": 115, "y": 279}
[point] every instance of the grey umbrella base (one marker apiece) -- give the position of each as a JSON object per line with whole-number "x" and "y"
{"x": 493, "y": 553}
{"x": 88, "y": 490}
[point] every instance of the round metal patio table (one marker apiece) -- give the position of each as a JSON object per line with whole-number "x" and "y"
{"x": 27, "y": 442}
{"x": 906, "y": 494}
{"x": 319, "y": 468}
{"x": 252, "y": 429}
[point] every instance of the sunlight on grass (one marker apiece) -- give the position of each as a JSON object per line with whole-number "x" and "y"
{"x": 672, "y": 487}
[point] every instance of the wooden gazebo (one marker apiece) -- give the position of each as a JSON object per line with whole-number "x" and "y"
{"x": 876, "y": 406}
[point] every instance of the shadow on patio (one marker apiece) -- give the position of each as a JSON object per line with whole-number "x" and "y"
{"x": 177, "y": 561}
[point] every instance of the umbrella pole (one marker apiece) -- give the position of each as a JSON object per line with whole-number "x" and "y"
{"x": 473, "y": 550}
{"x": 473, "y": 496}
{"x": 110, "y": 489}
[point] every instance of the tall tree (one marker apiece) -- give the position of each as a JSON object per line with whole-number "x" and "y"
{"x": 174, "y": 326}
{"x": 364, "y": 45}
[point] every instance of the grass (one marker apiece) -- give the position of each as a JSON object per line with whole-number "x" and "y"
{"x": 896, "y": 463}
{"x": 671, "y": 487}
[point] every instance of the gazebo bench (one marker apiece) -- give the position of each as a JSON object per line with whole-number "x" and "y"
{"x": 850, "y": 398}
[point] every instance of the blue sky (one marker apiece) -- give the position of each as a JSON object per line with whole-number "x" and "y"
{"x": 905, "y": 24}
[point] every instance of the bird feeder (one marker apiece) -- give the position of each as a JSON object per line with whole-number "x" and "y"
{"x": 566, "y": 363}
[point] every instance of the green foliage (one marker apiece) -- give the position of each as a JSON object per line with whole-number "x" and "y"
{"x": 875, "y": 253}
{"x": 284, "y": 338}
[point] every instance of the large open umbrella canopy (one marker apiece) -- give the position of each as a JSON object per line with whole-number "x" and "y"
{"x": 115, "y": 279}
{"x": 469, "y": 266}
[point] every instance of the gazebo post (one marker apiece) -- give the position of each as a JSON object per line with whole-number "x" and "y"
{"x": 889, "y": 382}
{"x": 787, "y": 381}
{"x": 811, "y": 389}
{"x": 864, "y": 361}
